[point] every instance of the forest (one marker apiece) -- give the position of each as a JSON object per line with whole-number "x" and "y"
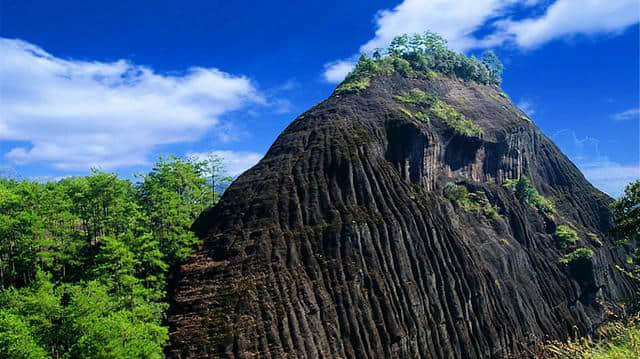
{"x": 85, "y": 261}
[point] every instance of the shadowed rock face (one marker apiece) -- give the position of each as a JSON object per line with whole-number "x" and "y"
{"x": 340, "y": 243}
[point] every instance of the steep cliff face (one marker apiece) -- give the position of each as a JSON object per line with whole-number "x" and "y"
{"x": 340, "y": 242}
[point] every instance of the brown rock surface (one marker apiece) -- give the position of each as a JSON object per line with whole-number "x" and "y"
{"x": 340, "y": 243}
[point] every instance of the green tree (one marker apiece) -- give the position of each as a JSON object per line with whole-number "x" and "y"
{"x": 494, "y": 65}
{"x": 626, "y": 211}
{"x": 172, "y": 195}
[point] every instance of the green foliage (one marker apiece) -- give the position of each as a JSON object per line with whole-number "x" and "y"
{"x": 459, "y": 194}
{"x": 457, "y": 121}
{"x": 423, "y": 55}
{"x": 594, "y": 239}
{"x": 423, "y": 117}
{"x": 417, "y": 97}
{"x": 405, "y": 112}
{"x": 490, "y": 211}
{"x": 526, "y": 193}
{"x": 526, "y": 118}
{"x": 578, "y": 255}
{"x": 355, "y": 85}
{"x": 83, "y": 262}
{"x": 617, "y": 340}
{"x": 566, "y": 235}
{"x": 626, "y": 211}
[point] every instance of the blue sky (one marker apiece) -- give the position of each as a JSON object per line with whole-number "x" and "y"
{"x": 114, "y": 84}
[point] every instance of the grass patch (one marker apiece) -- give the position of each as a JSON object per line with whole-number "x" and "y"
{"x": 457, "y": 121}
{"x": 526, "y": 118}
{"x": 405, "y": 112}
{"x": 417, "y": 97}
{"x": 618, "y": 340}
{"x": 353, "y": 86}
{"x": 423, "y": 117}
{"x": 594, "y": 239}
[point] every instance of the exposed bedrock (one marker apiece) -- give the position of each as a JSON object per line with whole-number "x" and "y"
{"x": 340, "y": 243}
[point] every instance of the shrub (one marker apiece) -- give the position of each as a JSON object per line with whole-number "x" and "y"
{"x": 578, "y": 255}
{"x": 455, "y": 192}
{"x": 457, "y": 121}
{"x": 490, "y": 211}
{"x": 526, "y": 193}
{"x": 566, "y": 235}
{"x": 459, "y": 194}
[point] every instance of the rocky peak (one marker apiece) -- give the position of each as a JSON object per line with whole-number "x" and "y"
{"x": 411, "y": 214}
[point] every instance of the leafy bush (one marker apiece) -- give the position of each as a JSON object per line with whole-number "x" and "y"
{"x": 525, "y": 192}
{"x": 578, "y": 255}
{"x": 457, "y": 121}
{"x": 490, "y": 211}
{"x": 460, "y": 194}
{"x": 455, "y": 192}
{"x": 566, "y": 235}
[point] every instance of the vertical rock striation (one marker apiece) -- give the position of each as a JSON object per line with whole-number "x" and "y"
{"x": 340, "y": 243}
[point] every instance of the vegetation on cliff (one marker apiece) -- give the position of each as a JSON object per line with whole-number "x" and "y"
{"x": 619, "y": 339}
{"x": 84, "y": 261}
{"x": 423, "y": 55}
{"x": 524, "y": 190}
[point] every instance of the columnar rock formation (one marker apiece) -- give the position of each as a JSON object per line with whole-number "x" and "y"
{"x": 341, "y": 244}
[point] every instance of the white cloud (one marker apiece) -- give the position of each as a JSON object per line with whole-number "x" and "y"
{"x": 454, "y": 20}
{"x": 609, "y": 176}
{"x": 571, "y": 17}
{"x": 235, "y": 162}
{"x": 336, "y": 71}
{"x": 78, "y": 114}
{"x": 630, "y": 114}
{"x": 458, "y": 21}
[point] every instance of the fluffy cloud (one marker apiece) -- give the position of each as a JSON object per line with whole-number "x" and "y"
{"x": 630, "y": 114}
{"x": 571, "y": 17}
{"x": 76, "y": 114}
{"x": 609, "y": 176}
{"x": 336, "y": 71}
{"x": 454, "y": 20}
{"x": 459, "y": 22}
{"x": 235, "y": 162}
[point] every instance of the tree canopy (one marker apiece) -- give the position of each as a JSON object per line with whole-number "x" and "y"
{"x": 423, "y": 54}
{"x": 84, "y": 261}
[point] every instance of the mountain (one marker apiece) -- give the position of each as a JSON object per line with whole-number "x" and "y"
{"x": 411, "y": 214}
